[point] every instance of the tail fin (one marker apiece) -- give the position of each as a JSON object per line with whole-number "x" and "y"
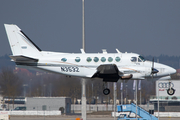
{"x": 20, "y": 44}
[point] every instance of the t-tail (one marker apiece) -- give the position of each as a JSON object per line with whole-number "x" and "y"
{"x": 23, "y": 49}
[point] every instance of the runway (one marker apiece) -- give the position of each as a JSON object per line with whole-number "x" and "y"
{"x": 89, "y": 117}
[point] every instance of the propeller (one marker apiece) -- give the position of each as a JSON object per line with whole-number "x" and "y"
{"x": 153, "y": 70}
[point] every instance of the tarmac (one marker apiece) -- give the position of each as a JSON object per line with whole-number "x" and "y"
{"x": 72, "y": 117}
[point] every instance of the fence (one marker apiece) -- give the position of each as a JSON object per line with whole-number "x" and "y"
{"x": 98, "y": 107}
{"x": 41, "y": 113}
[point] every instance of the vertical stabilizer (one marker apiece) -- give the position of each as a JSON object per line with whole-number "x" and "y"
{"x": 20, "y": 44}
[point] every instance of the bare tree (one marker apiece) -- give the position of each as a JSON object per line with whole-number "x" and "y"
{"x": 10, "y": 84}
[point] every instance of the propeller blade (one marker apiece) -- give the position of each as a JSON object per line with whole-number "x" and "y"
{"x": 153, "y": 70}
{"x": 153, "y": 63}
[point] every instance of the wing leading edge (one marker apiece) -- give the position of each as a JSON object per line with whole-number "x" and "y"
{"x": 108, "y": 72}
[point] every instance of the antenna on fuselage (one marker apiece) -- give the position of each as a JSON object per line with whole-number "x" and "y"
{"x": 82, "y": 51}
{"x": 104, "y": 51}
{"x": 118, "y": 51}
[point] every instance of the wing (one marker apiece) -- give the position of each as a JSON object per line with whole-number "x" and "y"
{"x": 108, "y": 72}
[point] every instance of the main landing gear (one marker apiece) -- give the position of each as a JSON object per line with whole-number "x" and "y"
{"x": 106, "y": 91}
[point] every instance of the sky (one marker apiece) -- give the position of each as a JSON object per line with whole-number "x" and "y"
{"x": 146, "y": 27}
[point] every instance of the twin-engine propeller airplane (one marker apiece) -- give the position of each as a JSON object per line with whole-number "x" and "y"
{"x": 110, "y": 67}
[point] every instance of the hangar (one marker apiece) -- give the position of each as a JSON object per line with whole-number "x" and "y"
{"x": 41, "y": 103}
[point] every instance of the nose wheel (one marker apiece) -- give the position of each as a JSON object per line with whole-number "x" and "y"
{"x": 170, "y": 91}
{"x": 106, "y": 91}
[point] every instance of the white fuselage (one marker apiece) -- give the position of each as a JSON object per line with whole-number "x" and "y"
{"x": 85, "y": 64}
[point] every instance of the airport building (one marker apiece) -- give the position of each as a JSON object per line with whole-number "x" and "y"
{"x": 48, "y": 103}
{"x": 40, "y": 103}
{"x": 167, "y": 103}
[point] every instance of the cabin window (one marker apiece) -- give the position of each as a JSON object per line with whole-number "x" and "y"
{"x": 103, "y": 59}
{"x": 142, "y": 58}
{"x": 110, "y": 59}
{"x": 133, "y": 59}
{"x": 64, "y": 59}
{"x": 89, "y": 59}
{"x": 117, "y": 59}
{"x": 139, "y": 60}
{"x": 96, "y": 59}
{"x": 77, "y": 59}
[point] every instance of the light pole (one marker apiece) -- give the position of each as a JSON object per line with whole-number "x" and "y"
{"x": 126, "y": 94}
{"x": 121, "y": 93}
{"x": 50, "y": 89}
{"x": 158, "y": 98}
{"x": 25, "y": 85}
{"x": 115, "y": 90}
{"x": 139, "y": 88}
{"x": 83, "y": 98}
{"x": 44, "y": 90}
{"x": 83, "y": 28}
{"x": 136, "y": 99}
{"x": 30, "y": 87}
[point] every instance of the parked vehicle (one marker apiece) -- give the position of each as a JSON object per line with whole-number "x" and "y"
{"x": 20, "y": 108}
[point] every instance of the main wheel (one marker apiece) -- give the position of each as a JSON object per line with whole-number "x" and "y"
{"x": 106, "y": 91}
{"x": 170, "y": 91}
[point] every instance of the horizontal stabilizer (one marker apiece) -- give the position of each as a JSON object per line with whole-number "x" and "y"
{"x": 21, "y": 58}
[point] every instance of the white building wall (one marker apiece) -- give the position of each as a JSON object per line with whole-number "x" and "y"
{"x": 163, "y": 85}
{"x": 51, "y": 103}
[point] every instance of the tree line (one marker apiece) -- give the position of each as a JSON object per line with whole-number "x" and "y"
{"x": 14, "y": 84}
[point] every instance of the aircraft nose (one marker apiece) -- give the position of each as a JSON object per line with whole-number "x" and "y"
{"x": 171, "y": 70}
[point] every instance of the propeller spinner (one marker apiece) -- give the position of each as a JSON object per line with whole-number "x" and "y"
{"x": 153, "y": 70}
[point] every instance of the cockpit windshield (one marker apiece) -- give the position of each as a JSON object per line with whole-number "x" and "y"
{"x": 142, "y": 58}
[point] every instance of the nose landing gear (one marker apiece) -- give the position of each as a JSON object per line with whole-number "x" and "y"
{"x": 170, "y": 90}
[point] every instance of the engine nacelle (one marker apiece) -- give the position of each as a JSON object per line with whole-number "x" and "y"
{"x": 126, "y": 76}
